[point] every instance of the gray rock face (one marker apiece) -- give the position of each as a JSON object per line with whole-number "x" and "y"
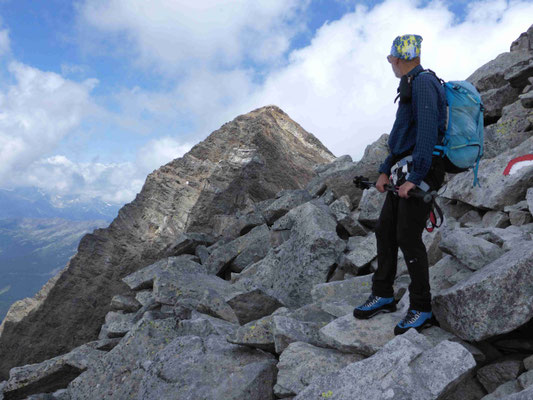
{"x": 495, "y": 100}
{"x": 284, "y": 273}
{"x": 496, "y": 219}
{"x": 191, "y": 367}
{"x": 246, "y": 161}
{"x": 446, "y": 273}
{"x": 474, "y": 252}
{"x": 478, "y": 307}
{"x": 362, "y": 251}
{"x": 403, "y": 369}
{"x": 497, "y": 190}
{"x": 301, "y": 362}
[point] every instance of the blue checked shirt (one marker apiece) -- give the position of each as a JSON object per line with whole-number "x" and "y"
{"x": 419, "y": 124}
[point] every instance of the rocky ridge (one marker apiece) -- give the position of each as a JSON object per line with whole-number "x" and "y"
{"x": 264, "y": 309}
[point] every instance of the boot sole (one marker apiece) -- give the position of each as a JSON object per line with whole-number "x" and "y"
{"x": 381, "y": 310}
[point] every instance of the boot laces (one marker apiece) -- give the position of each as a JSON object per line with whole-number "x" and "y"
{"x": 371, "y": 301}
{"x": 410, "y": 317}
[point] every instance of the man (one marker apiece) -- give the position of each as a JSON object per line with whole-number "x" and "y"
{"x": 419, "y": 126}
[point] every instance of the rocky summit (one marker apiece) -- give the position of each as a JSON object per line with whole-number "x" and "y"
{"x": 235, "y": 271}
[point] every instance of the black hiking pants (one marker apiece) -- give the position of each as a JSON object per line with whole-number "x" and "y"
{"x": 400, "y": 225}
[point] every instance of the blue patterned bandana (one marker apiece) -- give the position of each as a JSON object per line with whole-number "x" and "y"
{"x": 406, "y": 47}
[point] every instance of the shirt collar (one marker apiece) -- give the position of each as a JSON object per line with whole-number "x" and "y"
{"x": 415, "y": 70}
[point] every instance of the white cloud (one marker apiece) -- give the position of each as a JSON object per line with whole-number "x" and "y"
{"x": 341, "y": 88}
{"x": 36, "y": 113}
{"x": 173, "y": 35}
{"x": 112, "y": 182}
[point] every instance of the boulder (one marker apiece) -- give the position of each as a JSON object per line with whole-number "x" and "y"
{"x": 478, "y": 307}
{"x": 527, "y": 99}
{"x": 446, "y": 273}
{"x": 474, "y": 252}
{"x": 144, "y": 278}
{"x": 290, "y": 271}
{"x": 125, "y": 303}
{"x": 403, "y": 369}
{"x": 500, "y": 371}
{"x": 186, "y": 243}
{"x": 191, "y": 367}
{"x": 119, "y": 372}
{"x": 50, "y": 375}
{"x": 370, "y": 207}
{"x": 241, "y": 252}
{"x": 491, "y": 75}
{"x": 494, "y": 100}
{"x": 257, "y": 334}
{"x": 362, "y": 250}
{"x": 363, "y": 336}
{"x": 301, "y": 362}
{"x": 286, "y": 202}
{"x": 204, "y": 325}
{"x": 497, "y": 190}
{"x": 117, "y": 324}
{"x": 529, "y": 198}
{"x": 214, "y": 296}
{"x": 495, "y": 219}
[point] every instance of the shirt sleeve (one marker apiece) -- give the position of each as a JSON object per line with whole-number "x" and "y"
{"x": 385, "y": 167}
{"x": 425, "y": 110}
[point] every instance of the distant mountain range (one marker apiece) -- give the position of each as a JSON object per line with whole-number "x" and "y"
{"x": 38, "y": 235}
{"x": 30, "y": 202}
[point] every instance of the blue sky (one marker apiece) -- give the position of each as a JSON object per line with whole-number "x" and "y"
{"x": 95, "y": 94}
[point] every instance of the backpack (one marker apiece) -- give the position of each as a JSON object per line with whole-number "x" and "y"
{"x": 462, "y": 144}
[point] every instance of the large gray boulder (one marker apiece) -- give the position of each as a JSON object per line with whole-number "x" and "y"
{"x": 50, "y": 375}
{"x": 497, "y": 190}
{"x": 509, "y": 131}
{"x": 492, "y": 74}
{"x": 474, "y": 252}
{"x": 446, "y": 273}
{"x": 405, "y": 368}
{"x": 241, "y": 252}
{"x": 370, "y": 206}
{"x": 246, "y": 161}
{"x": 363, "y": 336}
{"x": 494, "y": 300}
{"x": 301, "y": 362}
{"x": 290, "y": 271}
{"x": 117, "y": 375}
{"x": 210, "y": 368}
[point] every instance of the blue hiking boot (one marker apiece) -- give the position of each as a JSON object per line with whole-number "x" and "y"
{"x": 415, "y": 319}
{"x": 374, "y": 305}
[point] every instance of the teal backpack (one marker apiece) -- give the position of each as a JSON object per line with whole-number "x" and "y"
{"x": 462, "y": 145}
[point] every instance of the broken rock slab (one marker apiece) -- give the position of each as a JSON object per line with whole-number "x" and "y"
{"x": 210, "y": 368}
{"x": 474, "y": 252}
{"x": 144, "y": 278}
{"x": 119, "y": 372}
{"x": 50, "y": 375}
{"x": 301, "y": 362}
{"x": 405, "y": 368}
{"x": 494, "y": 300}
{"x": 289, "y": 272}
{"x": 497, "y": 190}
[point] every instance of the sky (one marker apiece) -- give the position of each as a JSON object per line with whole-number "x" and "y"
{"x": 96, "y": 94}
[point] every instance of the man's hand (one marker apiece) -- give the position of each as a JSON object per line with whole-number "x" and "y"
{"x": 402, "y": 190}
{"x": 382, "y": 181}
